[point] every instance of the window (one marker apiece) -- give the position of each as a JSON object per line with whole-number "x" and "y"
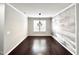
{"x": 39, "y": 25}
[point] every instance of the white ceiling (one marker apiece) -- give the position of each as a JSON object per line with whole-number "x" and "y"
{"x": 46, "y": 9}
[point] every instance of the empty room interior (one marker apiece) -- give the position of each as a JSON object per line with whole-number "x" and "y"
{"x": 39, "y": 29}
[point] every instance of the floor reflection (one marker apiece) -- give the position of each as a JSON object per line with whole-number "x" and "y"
{"x": 39, "y": 46}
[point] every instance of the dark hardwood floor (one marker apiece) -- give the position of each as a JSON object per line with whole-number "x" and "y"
{"x": 40, "y": 45}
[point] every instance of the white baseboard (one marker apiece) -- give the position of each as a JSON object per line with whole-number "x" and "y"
{"x": 40, "y": 35}
{"x": 15, "y": 46}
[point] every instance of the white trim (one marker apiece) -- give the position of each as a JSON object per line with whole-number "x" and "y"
{"x": 40, "y": 16}
{"x": 15, "y": 46}
{"x": 64, "y": 9}
{"x": 15, "y": 9}
{"x": 40, "y": 35}
{"x": 76, "y": 25}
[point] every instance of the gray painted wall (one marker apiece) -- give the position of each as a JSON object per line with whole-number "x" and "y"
{"x": 78, "y": 29}
{"x": 16, "y": 29}
{"x": 64, "y": 27}
{"x": 48, "y": 26}
{"x": 1, "y": 27}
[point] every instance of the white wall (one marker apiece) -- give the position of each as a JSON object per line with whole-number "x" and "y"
{"x": 64, "y": 28}
{"x": 48, "y": 27}
{"x": 15, "y": 28}
{"x": 78, "y": 29}
{"x": 2, "y": 7}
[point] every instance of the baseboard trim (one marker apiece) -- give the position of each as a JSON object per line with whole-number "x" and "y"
{"x": 40, "y": 35}
{"x": 15, "y": 46}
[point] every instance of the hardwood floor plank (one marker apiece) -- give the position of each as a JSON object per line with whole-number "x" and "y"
{"x": 40, "y": 45}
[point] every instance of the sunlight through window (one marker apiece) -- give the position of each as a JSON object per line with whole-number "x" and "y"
{"x": 39, "y": 25}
